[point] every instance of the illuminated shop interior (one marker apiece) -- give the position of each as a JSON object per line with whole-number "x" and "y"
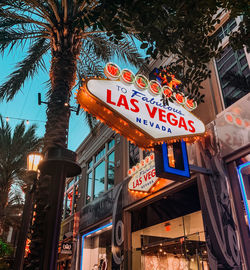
{"x": 96, "y": 249}
{"x": 163, "y": 241}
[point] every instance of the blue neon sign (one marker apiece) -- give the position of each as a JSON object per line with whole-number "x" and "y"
{"x": 243, "y": 190}
{"x": 86, "y": 234}
{"x": 180, "y": 172}
{"x": 167, "y": 168}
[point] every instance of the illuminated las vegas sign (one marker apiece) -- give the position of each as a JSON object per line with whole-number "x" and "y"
{"x": 132, "y": 106}
{"x": 143, "y": 175}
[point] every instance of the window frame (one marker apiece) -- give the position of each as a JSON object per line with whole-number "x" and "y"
{"x": 72, "y": 188}
{"x": 95, "y": 164}
{"x": 219, "y": 74}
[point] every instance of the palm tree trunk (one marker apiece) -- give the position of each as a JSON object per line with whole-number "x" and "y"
{"x": 62, "y": 76}
{"x": 25, "y": 224}
{"x": 4, "y": 192}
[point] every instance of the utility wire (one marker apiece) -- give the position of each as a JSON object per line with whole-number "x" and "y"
{"x": 22, "y": 119}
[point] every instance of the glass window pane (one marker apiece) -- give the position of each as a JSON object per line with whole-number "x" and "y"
{"x": 111, "y": 144}
{"x": 111, "y": 169}
{"x": 232, "y": 63}
{"x": 70, "y": 183}
{"x": 100, "y": 155}
{"x": 89, "y": 187}
{"x": 69, "y": 201}
{"x": 173, "y": 244}
{"x": 134, "y": 156}
{"x": 243, "y": 61}
{"x": 232, "y": 26}
{"x": 246, "y": 72}
{"x": 90, "y": 164}
{"x": 221, "y": 35}
{"x": 97, "y": 251}
{"x": 227, "y": 52}
{"x": 240, "y": 52}
{"x": 99, "y": 179}
{"x": 75, "y": 197}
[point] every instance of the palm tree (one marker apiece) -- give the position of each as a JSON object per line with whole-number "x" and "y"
{"x": 66, "y": 31}
{"x": 14, "y": 149}
{"x": 79, "y": 35}
{"x": 12, "y": 219}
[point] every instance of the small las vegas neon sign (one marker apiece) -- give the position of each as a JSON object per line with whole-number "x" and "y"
{"x": 143, "y": 176}
{"x": 132, "y": 106}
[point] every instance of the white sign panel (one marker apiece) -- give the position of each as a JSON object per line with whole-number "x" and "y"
{"x": 146, "y": 111}
{"x": 144, "y": 178}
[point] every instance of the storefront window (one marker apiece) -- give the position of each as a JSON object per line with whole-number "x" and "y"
{"x": 96, "y": 249}
{"x": 70, "y": 184}
{"x": 100, "y": 155}
{"x": 111, "y": 170}
{"x": 89, "y": 187}
{"x": 99, "y": 179}
{"x": 69, "y": 201}
{"x": 111, "y": 144}
{"x": 75, "y": 197}
{"x": 174, "y": 244}
{"x": 70, "y": 197}
{"x": 90, "y": 164}
{"x": 101, "y": 169}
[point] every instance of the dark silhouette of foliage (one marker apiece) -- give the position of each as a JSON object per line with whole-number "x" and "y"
{"x": 14, "y": 145}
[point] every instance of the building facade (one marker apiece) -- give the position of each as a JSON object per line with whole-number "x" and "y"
{"x": 200, "y": 223}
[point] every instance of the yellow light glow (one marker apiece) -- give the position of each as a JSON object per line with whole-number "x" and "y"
{"x": 33, "y": 161}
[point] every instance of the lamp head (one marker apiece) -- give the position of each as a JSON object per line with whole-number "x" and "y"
{"x": 33, "y": 160}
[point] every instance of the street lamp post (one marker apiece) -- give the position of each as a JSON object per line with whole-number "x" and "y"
{"x": 58, "y": 164}
{"x": 33, "y": 161}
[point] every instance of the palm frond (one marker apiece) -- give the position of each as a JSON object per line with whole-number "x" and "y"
{"x": 89, "y": 64}
{"x": 5, "y": 13}
{"x": 14, "y": 149}
{"x": 5, "y": 139}
{"x": 124, "y": 49}
{"x": 25, "y": 69}
{"x": 127, "y": 51}
{"x": 20, "y": 8}
{"x": 12, "y": 4}
{"x": 91, "y": 121}
{"x": 8, "y": 22}
{"x": 11, "y": 37}
{"x": 97, "y": 49}
{"x": 100, "y": 46}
